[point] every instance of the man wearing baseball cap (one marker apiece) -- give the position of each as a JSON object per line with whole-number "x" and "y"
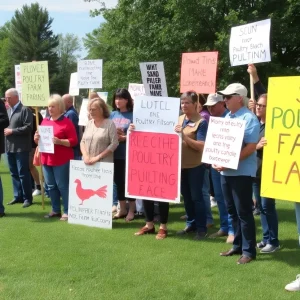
{"x": 237, "y": 184}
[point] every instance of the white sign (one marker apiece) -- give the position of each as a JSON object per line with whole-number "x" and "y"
{"x": 103, "y": 96}
{"x": 154, "y": 80}
{"x": 73, "y": 89}
{"x": 83, "y": 114}
{"x": 136, "y": 89}
{"x": 18, "y": 81}
{"x": 46, "y": 139}
{"x": 89, "y": 74}
{"x": 156, "y": 114}
{"x": 224, "y": 142}
{"x": 91, "y": 194}
{"x": 250, "y": 43}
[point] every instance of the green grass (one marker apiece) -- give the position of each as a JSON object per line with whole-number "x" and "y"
{"x": 49, "y": 259}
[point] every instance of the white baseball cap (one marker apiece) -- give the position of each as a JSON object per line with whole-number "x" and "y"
{"x": 213, "y": 99}
{"x": 234, "y": 88}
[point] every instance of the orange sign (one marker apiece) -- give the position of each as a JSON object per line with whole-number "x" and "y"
{"x": 199, "y": 72}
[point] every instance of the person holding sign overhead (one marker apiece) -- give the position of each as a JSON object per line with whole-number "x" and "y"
{"x": 56, "y": 165}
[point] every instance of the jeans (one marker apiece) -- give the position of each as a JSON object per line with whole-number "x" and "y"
{"x": 57, "y": 180}
{"x": 225, "y": 220}
{"x": 297, "y": 210}
{"x": 21, "y": 178}
{"x": 237, "y": 191}
{"x": 191, "y": 190}
{"x": 115, "y": 195}
{"x": 206, "y": 196}
{"x": 268, "y": 215}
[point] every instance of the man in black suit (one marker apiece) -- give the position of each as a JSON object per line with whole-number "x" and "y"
{"x": 18, "y": 145}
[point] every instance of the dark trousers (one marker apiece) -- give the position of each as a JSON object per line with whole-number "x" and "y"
{"x": 21, "y": 178}
{"x": 237, "y": 191}
{"x": 149, "y": 211}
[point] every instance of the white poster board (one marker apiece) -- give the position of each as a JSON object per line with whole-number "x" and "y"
{"x": 18, "y": 81}
{"x": 250, "y": 43}
{"x": 83, "y": 114}
{"x": 46, "y": 139}
{"x": 91, "y": 194}
{"x": 73, "y": 88}
{"x": 156, "y": 114}
{"x": 89, "y": 74}
{"x": 136, "y": 89}
{"x": 224, "y": 142}
{"x": 154, "y": 79}
{"x": 103, "y": 95}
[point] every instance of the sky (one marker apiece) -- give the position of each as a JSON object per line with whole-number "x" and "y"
{"x": 70, "y": 16}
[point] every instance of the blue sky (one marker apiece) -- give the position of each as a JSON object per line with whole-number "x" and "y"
{"x": 70, "y": 16}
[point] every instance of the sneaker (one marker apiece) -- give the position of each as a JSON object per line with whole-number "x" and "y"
{"x": 36, "y": 193}
{"x": 269, "y": 249}
{"x": 294, "y": 286}
{"x": 261, "y": 245}
{"x": 213, "y": 202}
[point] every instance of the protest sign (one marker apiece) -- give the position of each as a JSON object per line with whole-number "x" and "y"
{"x": 35, "y": 83}
{"x": 281, "y": 160}
{"x": 89, "y": 74}
{"x": 224, "y": 142}
{"x": 83, "y": 114}
{"x": 46, "y": 139}
{"x": 156, "y": 114}
{"x": 90, "y": 194}
{"x": 199, "y": 72}
{"x": 18, "y": 80}
{"x": 73, "y": 88}
{"x": 154, "y": 80}
{"x": 103, "y": 95}
{"x": 250, "y": 43}
{"x": 136, "y": 89}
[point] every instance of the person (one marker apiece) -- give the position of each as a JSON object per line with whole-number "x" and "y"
{"x": 100, "y": 137}
{"x": 294, "y": 286}
{"x": 4, "y": 122}
{"x": 193, "y": 129}
{"x": 56, "y": 165}
{"x": 216, "y": 107}
{"x": 122, "y": 116}
{"x": 237, "y": 184}
{"x": 18, "y": 146}
{"x": 72, "y": 114}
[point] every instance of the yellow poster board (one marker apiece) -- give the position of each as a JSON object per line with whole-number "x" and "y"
{"x": 35, "y": 83}
{"x": 281, "y": 160}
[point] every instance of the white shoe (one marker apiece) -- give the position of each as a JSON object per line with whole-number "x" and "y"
{"x": 294, "y": 286}
{"x": 36, "y": 193}
{"x": 213, "y": 203}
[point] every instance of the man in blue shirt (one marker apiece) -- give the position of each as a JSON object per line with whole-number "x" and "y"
{"x": 237, "y": 184}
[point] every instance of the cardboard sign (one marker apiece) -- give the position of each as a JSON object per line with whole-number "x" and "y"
{"x": 90, "y": 194}
{"x": 18, "y": 81}
{"x": 46, "y": 139}
{"x": 103, "y": 95}
{"x": 154, "y": 80}
{"x": 250, "y": 43}
{"x": 281, "y": 159}
{"x": 35, "y": 83}
{"x": 83, "y": 114}
{"x": 73, "y": 89}
{"x": 224, "y": 142}
{"x": 156, "y": 114}
{"x": 136, "y": 89}
{"x": 153, "y": 166}
{"x": 89, "y": 74}
{"x": 199, "y": 72}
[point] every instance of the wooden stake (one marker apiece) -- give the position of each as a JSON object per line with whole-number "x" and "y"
{"x": 252, "y": 95}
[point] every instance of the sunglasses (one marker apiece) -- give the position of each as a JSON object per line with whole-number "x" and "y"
{"x": 261, "y": 105}
{"x": 228, "y": 97}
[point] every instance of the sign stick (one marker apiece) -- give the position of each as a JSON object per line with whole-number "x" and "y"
{"x": 252, "y": 95}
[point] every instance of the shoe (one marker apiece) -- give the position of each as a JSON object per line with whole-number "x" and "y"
{"x": 13, "y": 202}
{"x": 244, "y": 259}
{"x": 52, "y": 215}
{"x": 217, "y": 234}
{"x": 26, "y": 204}
{"x": 200, "y": 236}
{"x": 230, "y": 239}
{"x": 294, "y": 286}
{"x": 269, "y": 249}
{"x": 213, "y": 202}
{"x": 145, "y": 230}
{"x": 211, "y": 225}
{"x": 36, "y": 193}
{"x": 186, "y": 230}
{"x": 183, "y": 217}
{"x": 2, "y": 215}
{"x": 256, "y": 212}
{"x": 162, "y": 234}
{"x": 261, "y": 245}
{"x": 231, "y": 252}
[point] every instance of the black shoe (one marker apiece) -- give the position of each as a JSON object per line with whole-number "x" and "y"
{"x": 2, "y": 215}
{"x": 26, "y": 204}
{"x": 186, "y": 230}
{"x": 13, "y": 202}
{"x": 200, "y": 236}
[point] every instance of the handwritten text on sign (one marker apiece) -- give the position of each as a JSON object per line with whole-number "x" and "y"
{"x": 35, "y": 83}
{"x": 156, "y": 114}
{"x": 89, "y": 74}
{"x": 83, "y": 114}
{"x": 136, "y": 89}
{"x": 199, "y": 72}
{"x": 90, "y": 194}
{"x": 153, "y": 166}
{"x": 46, "y": 139}
{"x": 250, "y": 43}
{"x": 154, "y": 80}
{"x": 223, "y": 142}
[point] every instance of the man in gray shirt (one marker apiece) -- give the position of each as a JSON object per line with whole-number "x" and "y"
{"x": 18, "y": 145}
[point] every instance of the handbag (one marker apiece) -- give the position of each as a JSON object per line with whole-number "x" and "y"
{"x": 36, "y": 157}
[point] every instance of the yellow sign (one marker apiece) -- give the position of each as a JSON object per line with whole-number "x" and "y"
{"x": 281, "y": 160}
{"x": 35, "y": 83}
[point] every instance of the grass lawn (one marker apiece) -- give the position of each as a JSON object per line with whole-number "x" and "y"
{"x": 48, "y": 259}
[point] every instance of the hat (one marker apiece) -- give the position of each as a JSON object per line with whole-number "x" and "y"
{"x": 234, "y": 88}
{"x": 213, "y": 99}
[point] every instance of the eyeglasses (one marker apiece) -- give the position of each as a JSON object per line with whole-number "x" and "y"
{"x": 261, "y": 105}
{"x": 228, "y": 97}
